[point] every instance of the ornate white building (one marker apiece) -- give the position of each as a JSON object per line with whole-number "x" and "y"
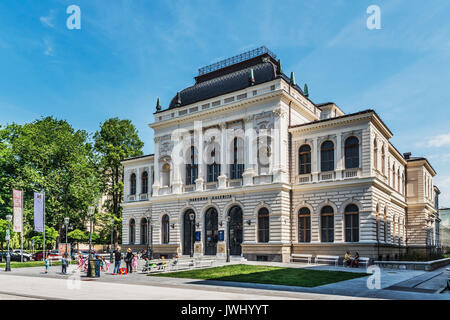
{"x": 293, "y": 176}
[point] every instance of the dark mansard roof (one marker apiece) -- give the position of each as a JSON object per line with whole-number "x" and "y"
{"x": 212, "y": 82}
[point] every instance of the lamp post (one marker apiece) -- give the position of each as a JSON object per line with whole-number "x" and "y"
{"x": 149, "y": 225}
{"x": 112, "y": 240}
{"x": 228, "y": 238}
{"x": 91, "y": 215}
{"x": 8, "y": 256}
{"x": 66, "y": 222}
{"x": 191, "y": 218}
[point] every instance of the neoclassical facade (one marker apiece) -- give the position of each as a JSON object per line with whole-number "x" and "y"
{"x": 245, "y": 160}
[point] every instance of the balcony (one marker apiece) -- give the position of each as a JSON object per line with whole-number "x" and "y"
{"x": 143, "y": 196}
{"x": 327, "y": 176}
{"x": 165, "y": 190}
{"x": 352, "y": 173}
{"x": 211, "y": 185}
{"x": 304, "y": 178}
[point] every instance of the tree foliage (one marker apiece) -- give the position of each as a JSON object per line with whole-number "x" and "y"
{"x": 116, "y": 140}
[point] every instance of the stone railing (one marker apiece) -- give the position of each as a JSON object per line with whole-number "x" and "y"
{"x": 414, "y": 265}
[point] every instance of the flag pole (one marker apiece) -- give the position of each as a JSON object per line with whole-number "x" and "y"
{"x": 21, "y": 234}
{"x": 43, "y": 234}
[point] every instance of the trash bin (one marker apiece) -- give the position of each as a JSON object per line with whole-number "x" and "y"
{"x": 94, "y": 268}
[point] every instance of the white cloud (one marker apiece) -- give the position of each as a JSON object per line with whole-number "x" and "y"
{"x": 439, "y": 140}
{"x": 48, "y": 20}
{"x": 48, "y": 47}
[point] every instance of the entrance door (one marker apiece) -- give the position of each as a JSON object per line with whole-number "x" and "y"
{"x": 235, "y": 233}
{"x": 211, "y": 232}
{"x": 188, "y": 236}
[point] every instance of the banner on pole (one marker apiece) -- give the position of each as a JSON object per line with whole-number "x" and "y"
{"x": 38, "y": 212}
{"x": 17, "y": 211}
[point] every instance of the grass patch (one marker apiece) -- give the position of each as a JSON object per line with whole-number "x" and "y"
{"x": 16, "y": 264}
{"x": 266, "y": 275}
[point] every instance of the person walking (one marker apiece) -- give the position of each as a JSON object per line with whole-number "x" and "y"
{"x": 128, "y": 260}
{"x": 117, "y": 260}
{"x": 64, "y": 264}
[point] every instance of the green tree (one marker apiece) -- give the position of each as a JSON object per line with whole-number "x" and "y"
{"x": 77, "y": 236}
{"x": 3, "y": 228}
{"x": 50, "y": 238}
{"x": 116, "y": 140}
{"x": 49, "y": 154}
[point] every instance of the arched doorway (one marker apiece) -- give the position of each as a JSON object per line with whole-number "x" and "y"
{"x": 235, "y": 231}
{"x": 188, "y": 232}
{"x": 211, "y": 231}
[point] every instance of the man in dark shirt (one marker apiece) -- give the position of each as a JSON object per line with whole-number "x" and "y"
{"x": 117, "y": 260}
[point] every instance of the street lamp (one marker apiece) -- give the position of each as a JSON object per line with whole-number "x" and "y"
{"x": 91, "y": 215}
{"x": 149, "y": 236}
{"x": 228, "y": 238}
{"x": 8, "y": 256}
{"x": 191, "y": 218}
{"x": 66, "y": 222}
{"x": 112, "y": 240}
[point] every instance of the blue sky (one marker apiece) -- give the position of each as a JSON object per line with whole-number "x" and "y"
{"x": 129, "y": 52}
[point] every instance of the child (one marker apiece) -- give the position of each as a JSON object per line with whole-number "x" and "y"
{"x": 134, "y": 263}
{"x": 64, "y": 264}
{"x": 47, "y": 264}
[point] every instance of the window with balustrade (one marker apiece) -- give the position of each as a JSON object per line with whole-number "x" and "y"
{"x": 213, "y": 169}
{"x": 191, "y": 167}
{"x": 133, "y": 184}
{"x": 351, "y": 151}
{"x": 327, "y": 156}
{"x": 144, "y": 182}
{"x": 132, "y": 231}
{"x": 304, "y": 156}
{"x": 237, "y": 167}
{"x": 165, "y": 229}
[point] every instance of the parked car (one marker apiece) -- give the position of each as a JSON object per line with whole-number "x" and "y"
{"x": 16, "y": 256}
{"x": 52, "y": 255}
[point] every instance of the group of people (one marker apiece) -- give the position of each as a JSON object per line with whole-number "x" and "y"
{"x": 83, "y": 263}
{"x": 130, "y": 259}
{"x": 350, "y": 261}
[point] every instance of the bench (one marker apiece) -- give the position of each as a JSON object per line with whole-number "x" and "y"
{"x": 308, "y": 257}
{"x": 182, "y": 264}
{"x": 321, "y": 258}
{"x": 203, "y": 263}
{"x": 157, "y": 265}
{"x": 362, "y": 260}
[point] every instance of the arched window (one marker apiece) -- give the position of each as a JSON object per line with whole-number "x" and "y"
{"x": 304, "y": 158}
{"x": 351, "y": 153}
{"x": 191, "y": 168}
{"x": 327, "y": 224}
{"x": 263, "y": 225}
{"x": 304, "y": 225}
{"x": 383, "y": 159}
{"x": 351, "y": 223}
{"x": 327, "y": 156}
{"x": 144, "y": 184}
{"x": 398, "y": 180}
{"x": 165, "y": 223}
{"x": 375, "y": 154}
{"x": 166, "y": 175}
{"x": 133, "y": 184}
{"x": 213, "y": 168}
{"x": 237, "y": 167}
{"x": 132, "y": 232}
{"x": 144, "y": 231}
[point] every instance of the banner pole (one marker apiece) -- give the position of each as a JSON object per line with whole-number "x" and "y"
{"x": 21, "y": 234}
{"x": 43, "y": 234}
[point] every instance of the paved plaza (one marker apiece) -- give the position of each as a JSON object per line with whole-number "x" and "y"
{"x": 33, "y": 283}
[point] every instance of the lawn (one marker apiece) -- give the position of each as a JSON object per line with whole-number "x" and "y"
{"x": 265, "y": 275}
{"x": 16, "y": 264}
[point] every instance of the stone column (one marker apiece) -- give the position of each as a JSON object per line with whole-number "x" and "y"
{"x": 157, "y": 182}
{"x": 280, "y": 146}
{"x": 249, "y": 152}
{"x": 223, "y": 157}
{"x": 198, "y": 140}
{"x": 315, "y": 160}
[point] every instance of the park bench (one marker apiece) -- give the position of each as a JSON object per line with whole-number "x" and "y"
{"x": 204, "y": 263}
{"x": 307, "y": 257}
{"x": 157, "y": 265}
{"x": 362, "y": 260}
{"x": 322, "y": 258}
{"x": 182, "y": 264}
